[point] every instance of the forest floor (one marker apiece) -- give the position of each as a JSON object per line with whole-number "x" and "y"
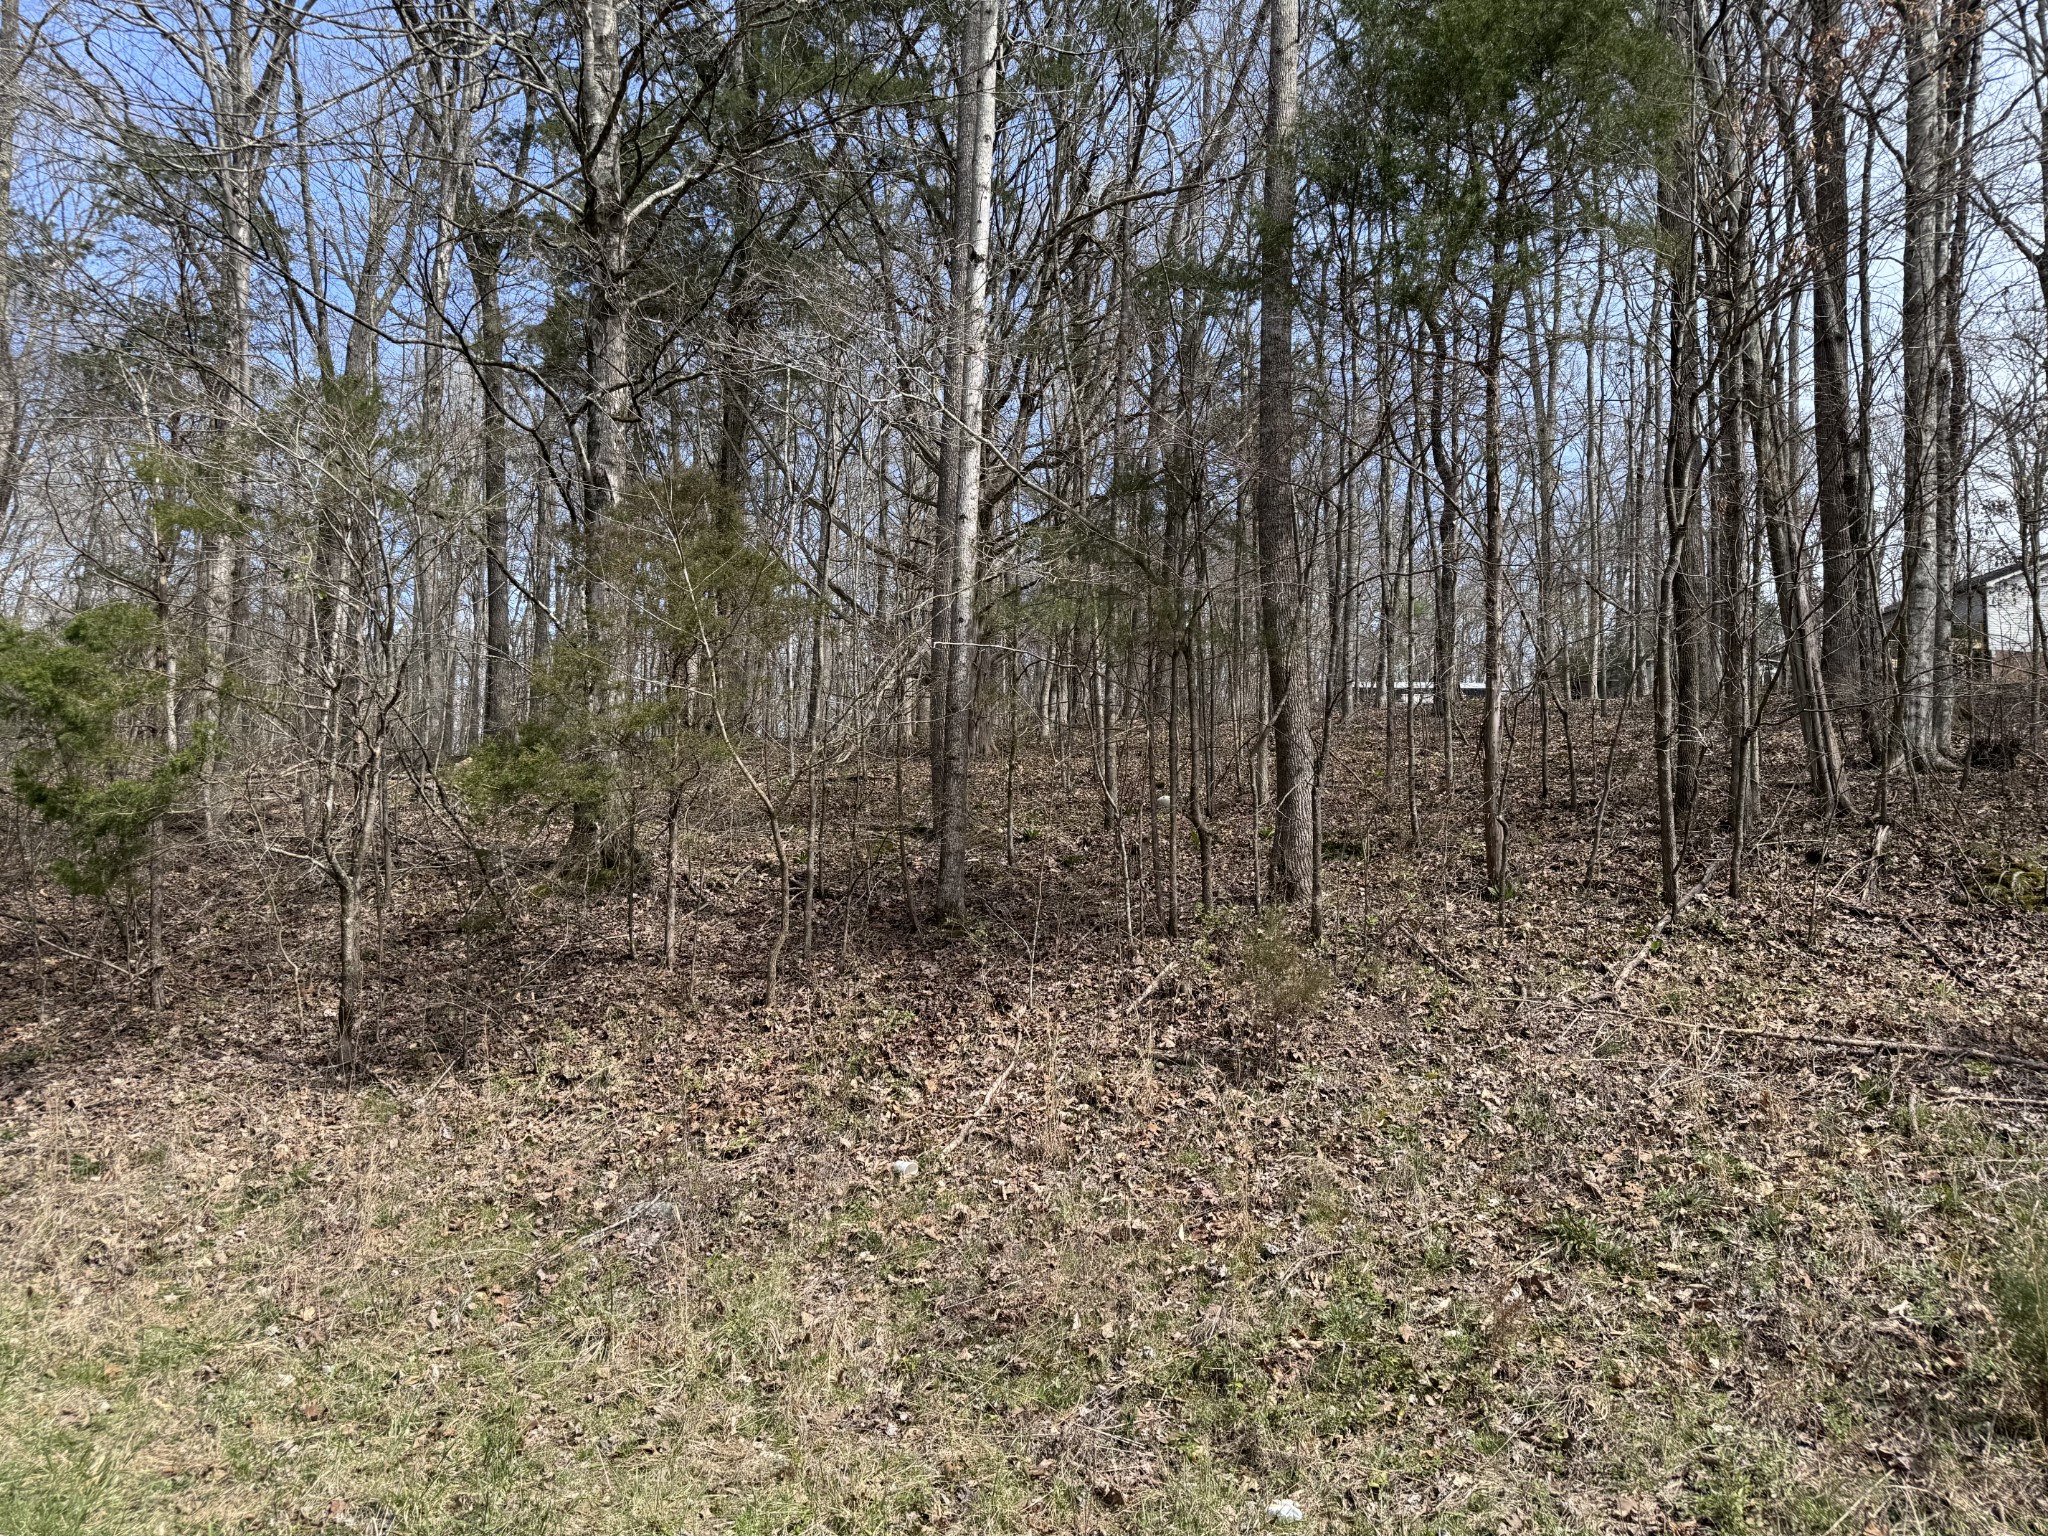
{"x": 1433, "y": 1228}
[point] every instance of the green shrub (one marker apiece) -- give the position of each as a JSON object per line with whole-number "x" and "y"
{"x": 1285, "y": 979}
{"x": 83, "y": 710}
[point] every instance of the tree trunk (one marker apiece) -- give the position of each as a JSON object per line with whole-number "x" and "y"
{"x": 610, "y": 402}
{"x": 1450, "y": 538}
{"x": 959, "y": 511}
{"x": 236, "y": 118}
{"x": 1678, "y": 618}
{"x": 1927, "y": 153}
{"x": 1281, "y": 594}
{"x": 1494, "y": 562}
{"x": 1690, "y": 597}
{"x": 485, "y": 253}
{"x": 1848, "y": 605}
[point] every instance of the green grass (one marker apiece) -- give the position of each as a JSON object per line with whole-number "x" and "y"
{"x": 385, "y": 1321}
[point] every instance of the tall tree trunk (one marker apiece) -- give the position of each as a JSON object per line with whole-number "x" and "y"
{"x": 1776, "y": 483}
{"x": 1848, "y": 605}
{"x": 237, "y": 113}
{"x": 1450, "y": 542}
{"x": 484, "y": 252}
{"x": 959, "y": 509}
{"x": 610, "y": 402}
{"x": 1493, "y": 558}
{"x": 743, "y": 309}
{"x": 1281, "y": 594}
{"x": 13, "y": 399}
{"x": 1960, "y": 78}
{"x": 1687, "y": 617}
{"x": 1927, "y": 155}
{"x": 608, "y": 396}
{"x": 1679, "y": 608}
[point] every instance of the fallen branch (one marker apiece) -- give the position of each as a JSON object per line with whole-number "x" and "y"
{"x": 1869, "y": 1043}
{"x": 1934, "y": 954}
{"x": 981, "y": 1109}
{"x": 1988, "y": 1098}
{"x": 1151, "y": 987}
{"x": 660, "y": 1209}
{"x": 1457, "y": 973}
{"x": 1621, "y": 978}
{"x": 1855, "y": 909}
{"x": 401, "y": 1096}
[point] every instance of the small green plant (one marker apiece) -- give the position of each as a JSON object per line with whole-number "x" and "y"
{"x": 2019, "y": 1286}
{"x": 1284, "y": 980}
{"x": 704, "y": 600}
{"x": 83, "y": 719}
{"x": 1580, "y": 1239}
{"x": 1438, "y": 1256}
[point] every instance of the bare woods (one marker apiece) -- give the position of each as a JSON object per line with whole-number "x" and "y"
{"x": 472, "y": 414}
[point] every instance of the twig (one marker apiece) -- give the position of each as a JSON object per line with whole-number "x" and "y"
{"x": 393, "y": 1089}
{"x": 1140, "y": 1000}
{"x": 1868, "y": 1043}
{"x": 64, "y": 949}
{"x": 1856, "y": 909}
{"x": 1455, "y": 972}
{"x": 986, "y": 1099}
{"x": 437, "y": 1082}
{"x": 1151, "y": 987}
{"x": 1988, "y": 1098}
{"x": 1621, "y": 977}
{"x": 660, "y": 1208}
{"x": 1934, "y": 954}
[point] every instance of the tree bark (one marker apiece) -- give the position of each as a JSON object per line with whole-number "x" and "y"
{"x": 959, "y": 511}
{"x": 1848, "y": 604}
{"x": 1493, "y": 559}
{"x": 1678, "y": 216}
{"x": 1281, "y": 590}
{"x": 484, "y": 252}
{"x": 610, "y": 402}
{"x": 1926, "y": 175}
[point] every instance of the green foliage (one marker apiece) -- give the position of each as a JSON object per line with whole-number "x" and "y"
{"x": 1475, "y": 125}
{"x": 684, "y": 584}
{"x": 86, "y": 758}
{"x": 552, "y": 760}
{"x": 679, "y": 558}
{"x": 185, "y": 494}
{"x": 1285, "y": 979}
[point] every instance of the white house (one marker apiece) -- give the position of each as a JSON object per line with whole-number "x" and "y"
{"x": 1994, "y": 618}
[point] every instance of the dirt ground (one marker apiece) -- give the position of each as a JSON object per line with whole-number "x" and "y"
{"x": 1515, "y": 1219}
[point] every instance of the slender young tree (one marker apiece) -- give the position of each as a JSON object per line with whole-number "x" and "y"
{"x": 1475, "y": 121}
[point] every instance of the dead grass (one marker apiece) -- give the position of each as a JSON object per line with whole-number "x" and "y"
{"x": 1456, "y": 1256}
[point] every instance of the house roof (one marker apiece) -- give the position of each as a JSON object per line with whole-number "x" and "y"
{"x": 1988, "y": 578}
